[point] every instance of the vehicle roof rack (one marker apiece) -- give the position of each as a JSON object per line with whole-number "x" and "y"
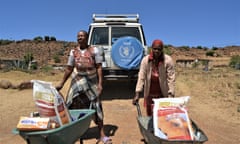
{"x": 115, "y": 18}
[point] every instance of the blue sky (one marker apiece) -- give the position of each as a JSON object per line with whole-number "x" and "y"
{"x": 207, "y": 23}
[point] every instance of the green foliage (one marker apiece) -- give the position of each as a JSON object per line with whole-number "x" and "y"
{"x": 47, "y": 68}
{"x": 184, "y": 48}
{"x": 168, "y": 45}
{"x": 210, "y": 53}
{"x": 56, "y": 59}
{"x": 235, "y": 60}
{"x": 28, "y": 57}
{"x": 34, "y": 66}
{"x": 167, "y": 50}
{"x": 204, "y": 62}
{"x": 38, "y": 39}
{"x": 214, "y": 48}
{"x": 199, "y": 47}
{"x": 5, "y": 42}
{"x": 52, "y": 38}
{"x": 195, "y": 64}
{"x": 46, "y": 38}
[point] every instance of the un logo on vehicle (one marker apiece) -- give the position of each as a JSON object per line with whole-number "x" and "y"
{"x": 126, "y": 50}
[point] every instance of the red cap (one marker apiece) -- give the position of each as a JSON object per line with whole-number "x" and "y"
{"x": 157, "y": 42}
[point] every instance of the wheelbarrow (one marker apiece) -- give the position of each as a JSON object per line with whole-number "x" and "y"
{"x": 66, "y": 134}
{"x": 145, "y": 124}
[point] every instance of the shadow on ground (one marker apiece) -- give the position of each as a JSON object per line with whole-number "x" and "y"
{"x": 93, "y": 132}
{"x": 118, "y": 90}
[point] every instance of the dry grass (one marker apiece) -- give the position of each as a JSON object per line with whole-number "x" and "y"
{"x": 214, "y": 102}
{"x": 218, "y": 89}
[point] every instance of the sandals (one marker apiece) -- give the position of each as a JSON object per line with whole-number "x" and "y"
{"x": 105, "y": 140}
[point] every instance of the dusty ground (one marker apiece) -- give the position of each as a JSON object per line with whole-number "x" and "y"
{"x": 214, "y": 106}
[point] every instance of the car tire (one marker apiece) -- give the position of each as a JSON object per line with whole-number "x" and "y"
{"x": 127, "y": 52}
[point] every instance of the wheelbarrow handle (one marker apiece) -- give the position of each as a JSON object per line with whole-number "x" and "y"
{"x": 138, "y": 109}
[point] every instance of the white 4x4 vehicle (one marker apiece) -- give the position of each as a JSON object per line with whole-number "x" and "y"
{"x": 121, "y": 39}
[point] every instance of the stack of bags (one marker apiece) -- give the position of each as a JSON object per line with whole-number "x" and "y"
{"x": 51, "y": 108}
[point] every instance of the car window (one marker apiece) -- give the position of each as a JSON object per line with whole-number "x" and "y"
{"x": 118, "y": 32}
{"x": 99, "y": 36}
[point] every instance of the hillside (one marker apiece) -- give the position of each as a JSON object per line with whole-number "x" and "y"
{"x": 44, "y": 52}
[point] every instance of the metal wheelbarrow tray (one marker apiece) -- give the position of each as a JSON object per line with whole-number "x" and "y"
{"x": 66, "y": 134}
{"x": 145, "y": 124}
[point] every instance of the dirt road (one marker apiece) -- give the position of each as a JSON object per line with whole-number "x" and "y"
{"x": 217, "y": 117}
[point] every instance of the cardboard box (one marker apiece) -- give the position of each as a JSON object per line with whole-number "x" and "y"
{"x": 33, "y": 123}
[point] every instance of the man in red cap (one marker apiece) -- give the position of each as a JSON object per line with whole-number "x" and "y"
{"x": 156, "y": 76}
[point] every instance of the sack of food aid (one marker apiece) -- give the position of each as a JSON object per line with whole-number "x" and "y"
{"x": 50, "y": 103}
{"x": 171, "y": 120}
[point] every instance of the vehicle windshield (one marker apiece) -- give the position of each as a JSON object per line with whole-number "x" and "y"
{"x": 118, "y": 32}
{"x": 100, "y": 34}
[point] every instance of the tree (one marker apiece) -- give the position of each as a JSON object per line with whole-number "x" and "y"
{"x": 46, "y": 38}
{"x": 28, "y": 58}
{"x": 38, "y": 39}
{"x": 52, "y": 38}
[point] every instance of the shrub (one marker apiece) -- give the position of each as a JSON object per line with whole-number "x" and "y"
{"x": 53, "y": 38}
{"x": 199, "y": 47}
{"x": 46, "y": 38}
{"x": 38, "y": 39}
{"x": 186, "y": 48}
{"x": 5, "y": 42}
{"x": 47, "y": 68}
{"x": 167, "y": 50}
{"x": 210, "y": 53}
{"x": 56, "y": 59}
{"x": 235, "y": 60}
{"x": 28, "y": 57}
{"x": 34, "y": 66}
